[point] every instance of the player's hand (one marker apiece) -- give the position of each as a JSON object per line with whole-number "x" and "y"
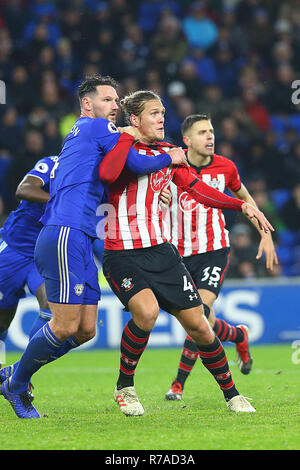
{"x": 178, "y": 156}
{"x": 267, "y": 247}
{"x": 252, "y": 212}
{"x": 165, "y": 198}
{"x": 130, "y": 130}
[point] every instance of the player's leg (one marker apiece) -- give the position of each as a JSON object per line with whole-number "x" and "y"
{"x": 128, "y": 283}
{"x": 144, "y": 311}
{"x": 64, "y": 269}
{"x": 36, "y": 285}
{"x": 208, "y": 271}
{"x": 213, "y": 356}
{"x": 14, "y": 268}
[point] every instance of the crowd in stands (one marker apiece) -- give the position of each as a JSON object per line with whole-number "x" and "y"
{"x": 237, "y": 60}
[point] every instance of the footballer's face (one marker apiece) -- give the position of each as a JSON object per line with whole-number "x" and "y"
{"x": 104, "y": 103}
{"x": 150, "y": 122}
{"x": 200, "y": 138}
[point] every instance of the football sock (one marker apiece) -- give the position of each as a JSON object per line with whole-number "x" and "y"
{"x": 214, "y": 359}
{"x": 42, "y": 346}
{"x": 44, "y": 316}
{"x": 133, "y": 342}
{"x": 188, "y": 359}
{"x": 226, "y": 332}
{"x": 66, "y": 346}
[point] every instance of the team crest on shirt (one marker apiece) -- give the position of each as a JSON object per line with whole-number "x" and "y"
{"x": 78, "y": 289}
{"x": 214, "y": 183}
{"x": 160, "y": 180}
{"x": 127, "y": 283}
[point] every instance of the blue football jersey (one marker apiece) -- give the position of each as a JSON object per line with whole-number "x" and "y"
{"x": 22, "y": 226}
{"x": 76, "y": 190}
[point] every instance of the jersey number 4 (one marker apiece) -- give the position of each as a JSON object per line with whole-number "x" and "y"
{"x": 187, "y": 285}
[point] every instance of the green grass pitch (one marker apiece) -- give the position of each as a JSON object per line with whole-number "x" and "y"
{"x": 74, "y": 396}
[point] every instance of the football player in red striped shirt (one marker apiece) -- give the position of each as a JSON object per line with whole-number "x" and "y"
{"x": 200, "y": 235}
{"x": 145, "y": 271}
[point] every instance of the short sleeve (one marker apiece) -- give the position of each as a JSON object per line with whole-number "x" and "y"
{"x": 105, "y": 133}
{"x": 234, "y": 183}
{"x": 42, "y": 169}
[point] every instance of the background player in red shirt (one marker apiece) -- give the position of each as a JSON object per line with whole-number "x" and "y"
{"x": 201, "y": 238}
{"x": 146, "y": 272}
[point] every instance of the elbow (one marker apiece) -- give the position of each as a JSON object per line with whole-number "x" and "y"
{"x": 106, "y": 178}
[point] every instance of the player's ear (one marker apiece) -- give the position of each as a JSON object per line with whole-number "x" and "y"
{"x": 85, "y": 102}
{"x": 186, "y": 140}
{"x": 134, "y": 120}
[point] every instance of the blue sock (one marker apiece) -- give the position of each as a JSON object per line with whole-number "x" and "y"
{"x": 66, "y": 346}
{"x": 42, "y": 346}
{"x": 42, "y": 319}
{"x": 3, "y": 335}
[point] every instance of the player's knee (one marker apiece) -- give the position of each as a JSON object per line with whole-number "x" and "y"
{"x": 86, "y": 334}
{"x": 146, "y": 318}
{"x": 201, "y": 331}
{"x": 63, "y": 331}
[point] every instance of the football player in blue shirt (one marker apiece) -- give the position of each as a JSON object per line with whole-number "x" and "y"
{"x": 63, "y": 252}
{"x": 18, "y": 237}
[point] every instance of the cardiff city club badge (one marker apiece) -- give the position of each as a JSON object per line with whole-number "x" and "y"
{"x": 127, "y": 283}
{"x": 78, "y": 288}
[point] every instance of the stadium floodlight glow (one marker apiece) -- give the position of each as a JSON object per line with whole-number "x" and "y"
{"x": 2, "y": 92}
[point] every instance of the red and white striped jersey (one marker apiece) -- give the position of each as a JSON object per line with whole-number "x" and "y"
{"x": 134, "y": 219}
{"x": 193, "y": 227}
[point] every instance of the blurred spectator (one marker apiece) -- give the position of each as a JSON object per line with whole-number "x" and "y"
{"x": 53, "y": 139}
{"x": 261, "y": 32}
{"x": 279, "y": 99}
{"x": 290, "y": 212}
{"x": 21, "y": 91}
{"x": 205, "y": 66}
{"x": 200, "y": 30}
{"x": 27, "y": 156}
{"x": 169, "y": 46}
{"x": 292, "y": 165}
{"x": 243, "y": 263}
{"x": 10, "y": 130}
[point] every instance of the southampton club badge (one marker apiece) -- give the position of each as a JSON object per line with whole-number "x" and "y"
{"x": 78, "y": 288}
{"x": 127, "y": 283}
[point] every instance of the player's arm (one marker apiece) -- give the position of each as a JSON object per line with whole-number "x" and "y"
{"x": 211, "y": 197}
{"x": 31, "y": 189}
{"x": 124, "y": 154}
{"x": 266, "y": 244}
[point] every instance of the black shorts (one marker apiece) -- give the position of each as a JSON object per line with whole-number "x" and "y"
{"x": 208, "y": 269}
{"x": 159, "y": 268}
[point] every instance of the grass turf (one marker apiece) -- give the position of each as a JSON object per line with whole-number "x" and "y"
{"x": 74, "y": 396}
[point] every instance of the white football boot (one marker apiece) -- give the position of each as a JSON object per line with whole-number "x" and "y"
{"x": 128, "y": 401}
{"x": 240, "y": 404}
